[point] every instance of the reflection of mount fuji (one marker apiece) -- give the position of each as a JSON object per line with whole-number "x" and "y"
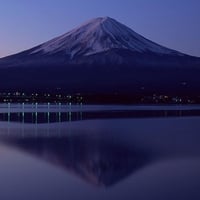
{"x": 100, "y": 161}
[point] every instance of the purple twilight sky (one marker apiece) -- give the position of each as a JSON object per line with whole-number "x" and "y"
{"x": 172, "y": 23}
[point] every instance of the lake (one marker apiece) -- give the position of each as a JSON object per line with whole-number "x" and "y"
{"x": 101, "y": 152}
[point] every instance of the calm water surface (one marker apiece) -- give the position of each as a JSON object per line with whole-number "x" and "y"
{"x": 59, "y": 152}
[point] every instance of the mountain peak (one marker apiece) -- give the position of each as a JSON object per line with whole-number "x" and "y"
{"x": 100, "y": 19}
{"x": 107, "y": 19}
{"x": 100, "y": 35}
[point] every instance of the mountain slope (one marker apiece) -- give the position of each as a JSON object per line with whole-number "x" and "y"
{"x": 101, "y": 56}
{"x": 100, "y": 35}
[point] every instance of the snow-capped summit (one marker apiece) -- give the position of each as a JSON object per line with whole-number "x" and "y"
{"x": 100, "y": 35}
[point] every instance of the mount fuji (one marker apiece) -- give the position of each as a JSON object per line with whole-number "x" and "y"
{"x": 101, "y": 56}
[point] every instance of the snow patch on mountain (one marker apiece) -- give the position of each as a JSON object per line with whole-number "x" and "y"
{"x": 100, "y": 35}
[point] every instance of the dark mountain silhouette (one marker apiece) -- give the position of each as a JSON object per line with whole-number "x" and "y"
{"x": 101, "y": 56}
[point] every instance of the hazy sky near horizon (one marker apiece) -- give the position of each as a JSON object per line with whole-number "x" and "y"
{"x": 172, "y": 23}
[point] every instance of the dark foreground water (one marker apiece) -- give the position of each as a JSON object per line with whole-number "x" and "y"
{"x": 59, "y": 152}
